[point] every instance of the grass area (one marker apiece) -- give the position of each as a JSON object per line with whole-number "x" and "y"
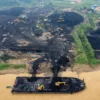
{"x": 85, "y": 53}
{"x": 87, "y": 48}
{"x": 19, "y": 66}
{"x": 81, "y": 57}
{"x": 7, "y": 66}
{"x": 4, "y": 66}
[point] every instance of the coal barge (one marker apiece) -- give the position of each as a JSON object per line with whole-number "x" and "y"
{"x": 48, "y": 85}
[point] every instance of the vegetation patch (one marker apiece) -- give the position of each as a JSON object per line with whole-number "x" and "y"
{"x": 19, "y": 66}
{"x": 7, "y": 66}
{"x": 85, "y": 53}
{"x": 81, "y": 57}
{"x": 4, "y": 66}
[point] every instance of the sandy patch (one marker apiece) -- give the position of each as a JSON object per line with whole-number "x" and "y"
{"x": 80, "y": 68}
{"x": 13, "y": 71}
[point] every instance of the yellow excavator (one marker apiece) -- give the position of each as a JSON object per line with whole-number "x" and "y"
{"x": 60, "y": 83}
{"x": 41, "y": 87}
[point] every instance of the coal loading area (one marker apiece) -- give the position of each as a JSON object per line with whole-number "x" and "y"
{"x": 43, "y": 30}
{"x": 94, "y": 39}
{"x": 48, "y": 85}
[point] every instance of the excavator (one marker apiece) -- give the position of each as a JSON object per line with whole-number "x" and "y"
{"x": 60, "y": 83}
{"x": 41, "y": 87}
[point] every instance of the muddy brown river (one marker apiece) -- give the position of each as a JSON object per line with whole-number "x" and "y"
{"x": 92, "y": 92}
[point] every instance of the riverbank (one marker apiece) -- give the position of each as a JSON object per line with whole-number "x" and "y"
{"x": 78, "y": 68}
{"x": 92, "y": 92}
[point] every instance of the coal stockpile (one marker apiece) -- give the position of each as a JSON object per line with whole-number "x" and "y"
{"x": 5, "y": 18}
{"x": 55, "y": 53}
{"x": 95, "y": 42}
{"x": 16, "y": 11}
{"x": 98, "y": 24}
{"x": 40, "y": 30}
{"x": 96, "y": 33}
{"x": 23, "y": 31}
{"x": 94, "y": 39}
{"x": 97, "y": 54}
{"x": 69, "y": 19}
{"x": 48, "y": 85}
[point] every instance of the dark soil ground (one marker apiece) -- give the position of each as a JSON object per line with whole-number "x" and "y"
{"x": 98, "y": 23}
{"x": 94, "y": 40}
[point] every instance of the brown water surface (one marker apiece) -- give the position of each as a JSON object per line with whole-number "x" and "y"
{"x": 92, "y": 92}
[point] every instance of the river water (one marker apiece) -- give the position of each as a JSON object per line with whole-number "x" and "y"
{"x": 92, "y": 92}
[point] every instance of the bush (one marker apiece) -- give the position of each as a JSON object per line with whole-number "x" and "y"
{"x": 4, "y": 66}
{"x": 19, "y": 66}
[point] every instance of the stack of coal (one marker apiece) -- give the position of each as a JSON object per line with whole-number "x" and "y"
{"x": 30, "y": 85}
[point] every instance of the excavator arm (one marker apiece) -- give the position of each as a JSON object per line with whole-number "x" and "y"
{"x": 60, "y": 83}
{"x": 41, "y": 87}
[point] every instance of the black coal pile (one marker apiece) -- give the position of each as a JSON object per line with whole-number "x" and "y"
{"x": 45, "y": 85}
{"x": 21, "y": 30}
{"x": 69, "y": 19}
{"x": 6, "y": 16}
{"x": 16, "y": 11}
{"x": 55, "y": 53}
{"x": 96, "y": 33}
{"x": 94, "y": 39}
{"x": 27, "y": 31}
{"x": 95, "y": 42}
{"x": 98, "y": 24}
